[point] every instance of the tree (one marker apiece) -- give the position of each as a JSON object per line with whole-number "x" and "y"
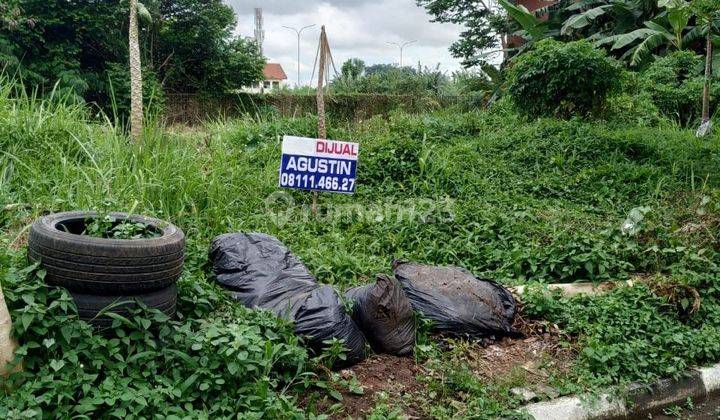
{"x": 533, "y": 29}
{"x": 187, "y": 46}
{"x": 674, "y": 84}
{"x": 538, "y": 80}
{"x": 654, "y": 35}
{"x": 390, "y": 79}
{"x": 379, "y": 69}
{"x": 597, "y": 19}
{"x": 633, "y": 29}
{"x": 64, "y": 46}
{"x": 486, "y": 27}
{"x": 353, "y": 68}
{"x": 195, "y": 50}
{"x": 136, "y": 102}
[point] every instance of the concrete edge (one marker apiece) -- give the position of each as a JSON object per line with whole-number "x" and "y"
{"x": 575, "y": 289}
{"x": 638, "y": 399}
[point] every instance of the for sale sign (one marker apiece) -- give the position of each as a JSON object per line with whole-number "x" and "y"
{"x": 319, "y": 165}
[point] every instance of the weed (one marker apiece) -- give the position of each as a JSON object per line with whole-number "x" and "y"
{"x": 111, "y": 228}
{"x": 542, "y": 201}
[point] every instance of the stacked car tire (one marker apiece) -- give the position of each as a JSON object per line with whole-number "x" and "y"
{"x": 109, "y": 275}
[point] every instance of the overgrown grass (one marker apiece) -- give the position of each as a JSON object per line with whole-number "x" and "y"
{"x": 516, "y": 201}
{"x": 540, "y": 200}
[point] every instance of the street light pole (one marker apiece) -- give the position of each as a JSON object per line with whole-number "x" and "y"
{"x": 402, "y": 47}
{"x": 298, "y": 32}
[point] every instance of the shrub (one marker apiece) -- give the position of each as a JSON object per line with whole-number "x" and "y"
{"x": 562, "y": 79}
{"x": 632, "y": 109}
{"x": 234, "y": 362}
{"x": 675, "y": 84}
{"x": 117, "y": 88}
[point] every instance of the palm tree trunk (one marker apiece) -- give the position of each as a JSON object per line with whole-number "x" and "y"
{"x": 7, "y": 344}
{"x": 136, "y": 96}
{"x": 708, "y": 75}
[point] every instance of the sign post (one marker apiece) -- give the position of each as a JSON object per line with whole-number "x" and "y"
{"x": 322, "y": 129}
{"x": 319, "y": 164}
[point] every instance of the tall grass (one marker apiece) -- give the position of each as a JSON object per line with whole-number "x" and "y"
{"x": 533, "y": 200}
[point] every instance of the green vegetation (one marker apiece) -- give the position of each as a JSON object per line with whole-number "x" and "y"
{"x": 390, "y": 80}
{"x": 229, "y": 361}
{"x": 109, "y": 227}
{"x": 634, "y": 32}
{"x": 674, "y": 83}
{"x": 614, "y": 190}
{"x": 539, "y": 84}
{"x": 187, "y": 46}
{"x": 631, "y": 30}
{"x": 655, "y": 325}
{"x": 543, "y": 201}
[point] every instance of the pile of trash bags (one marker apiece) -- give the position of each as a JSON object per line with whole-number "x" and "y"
{"x": 261, "y": 272}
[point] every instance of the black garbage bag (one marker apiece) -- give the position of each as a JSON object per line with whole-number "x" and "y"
{"x": 247, "y": 263}
{"x": 261, "y": 272}
{"x": 384, "y": 315}
{"x": 456, "y": 301}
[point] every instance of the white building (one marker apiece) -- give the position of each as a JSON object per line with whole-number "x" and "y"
{"x": 274, "y": 78}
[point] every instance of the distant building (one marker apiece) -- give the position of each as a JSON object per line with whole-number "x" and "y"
{"x": 531, "y": 5}
{"x": 274, "y": 77}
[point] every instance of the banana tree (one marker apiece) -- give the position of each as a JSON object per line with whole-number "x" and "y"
{"x": 137, "y": 9}
{"x": 533, "y": 29}
{"x": 584, "y": 18}
{"x": 654, "y": 35}
{"x": 596, "y": 19}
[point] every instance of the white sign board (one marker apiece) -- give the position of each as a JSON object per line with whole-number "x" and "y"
{"x": 319, "y": 165}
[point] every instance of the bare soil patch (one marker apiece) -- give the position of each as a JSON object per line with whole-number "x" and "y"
{"x": 398, "y": 377}
{"x": 530, "y": 360}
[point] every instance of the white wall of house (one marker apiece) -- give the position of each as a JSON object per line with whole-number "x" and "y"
{"x": 265, "y": 86}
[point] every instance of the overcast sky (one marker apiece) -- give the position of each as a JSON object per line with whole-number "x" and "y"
{"x": 355, "y": 28}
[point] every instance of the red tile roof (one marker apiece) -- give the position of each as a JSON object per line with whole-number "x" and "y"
{"x": 274, "y": 71}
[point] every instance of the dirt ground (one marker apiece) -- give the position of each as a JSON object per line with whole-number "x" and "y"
{"x": 706, "y": 410}
{"x": 532, "y": 358}
{"x": 15, "y": 223}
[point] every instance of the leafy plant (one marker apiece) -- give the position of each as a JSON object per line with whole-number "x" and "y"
{"x": 48, "y": 45}
{"x": 538, "y": 80}
{"x": 532, "y": 201}
{"x": 234, "y": 361}
{"x": 675, "y": 84}
{"x": 637, "y": 323}
{"x": 533, "y": 28}
{"x": 107, "y": 226}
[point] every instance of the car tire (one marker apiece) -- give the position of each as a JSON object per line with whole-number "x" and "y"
{"x": 101, "y": 266}
{"x": 93, "y": 308}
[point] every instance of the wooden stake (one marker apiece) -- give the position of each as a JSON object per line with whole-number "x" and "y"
{"x": 708, "y": 76}
{"x": 322, "y": 128}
